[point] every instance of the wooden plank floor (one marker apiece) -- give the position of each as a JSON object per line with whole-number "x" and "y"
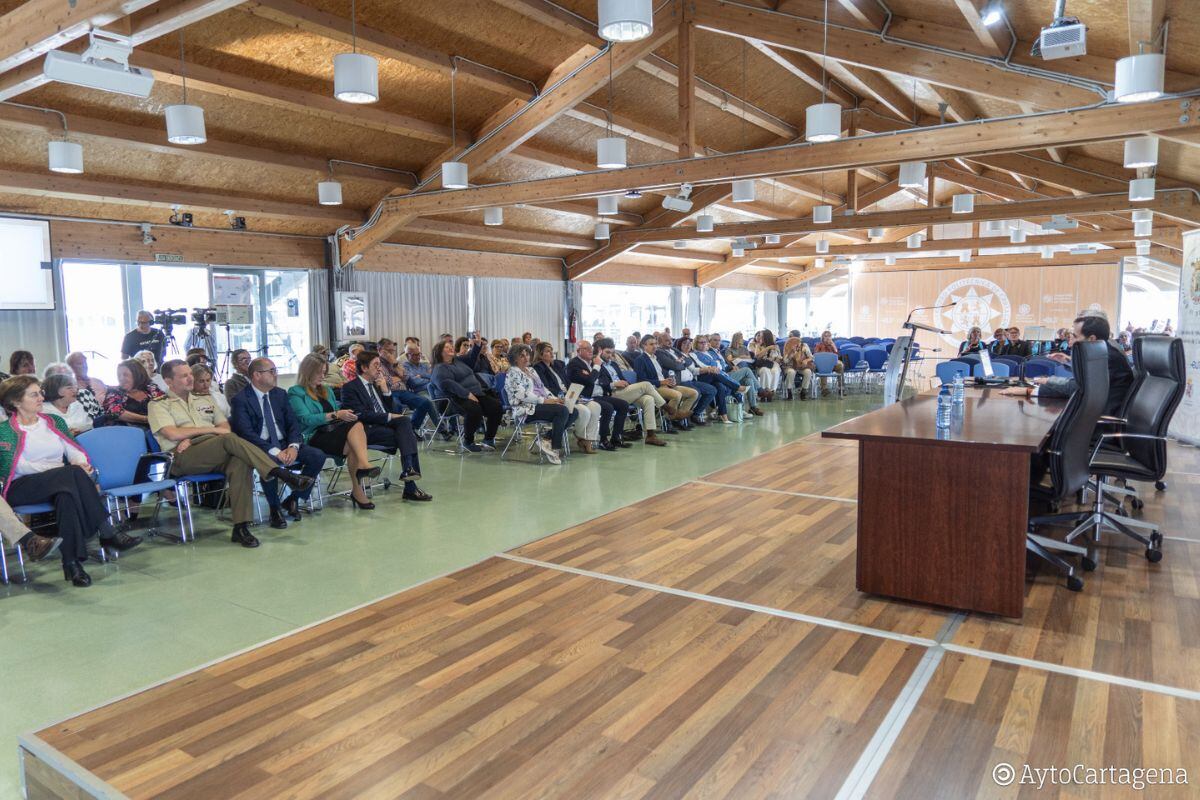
{"x": 647, "y": 674}
{"x": 505, "y": 680}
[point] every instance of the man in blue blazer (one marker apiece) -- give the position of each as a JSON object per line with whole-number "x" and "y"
{"x": 680, "y": 399}
{"x": 262, "y": 415}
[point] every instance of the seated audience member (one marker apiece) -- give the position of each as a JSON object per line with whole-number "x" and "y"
{"x": 680, "y": 399}
{"x": 84, "y": 396}
{"x": 202, "y": 379}
{"x": 554, "y": 377}
{"x": 200, "y": 358}
{"x": 641, "y": 393}
{"x": 633, "y": 349}
{"x": 262, "y": 416}
{"x": 238, "y": 379}
{"x": 60, "y": 395}
{"x": 797, "y": 360}
{"x": 347, "y": 364}
{"x": 128, "y": 402}
{"x": 742, "y": 375}
{"x": 369, "y": 398}
{"x": 597, "y": 336}
{"x": 738, "y": 354}
{"x": 584, "y": 370}
{"x": 709, "y": 377}
{"x": 1016, "y": 345}
{"x": 1125, "y": 342}
{"x": 41, "y": 463}
{"x": 417, "y": 368}
{"x": 767, "y": 361}
{"x": 15, "y": 533}
{"x": 973, "y": 343}
{"x": 670, "y": 356}
{"x": 199, "y": 435}
{"x": 91, "y": 390}
{"x": 456, "y": 379}
{"x": 827, "y": 345}
{"x": 1062, "y": 341}
{"x": 999, "y": 343}
{"x": 333, "y": 371}
{"x": 531, "y": 401}
{"x": 21, "y": 363}
{"x": 396, "y": 375}
{"x": 527, "y": 338}
{"x": 151, "y": 365}
{"x": 1120, "y": 373}
{"x": 447, "y": 338}
{"x": 493, "y": 359}
{"x": 328, "y": 427}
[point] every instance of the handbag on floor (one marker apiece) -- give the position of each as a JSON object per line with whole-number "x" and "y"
{"x": 737, "y": 412}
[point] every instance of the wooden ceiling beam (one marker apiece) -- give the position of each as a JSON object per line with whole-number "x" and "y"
{"x": 680, "y": 253}
{"x": 865, "y": 12}
{"x": 686, "y": 86}
{"x": 1145, "y": 19}
{"x": 462, "y": 230}
{"x": 803, "y": 67}
{"x": 996, "y": 39}
{"x": 974, "y": 243}
{"x": 1107, "y": 123}
{"x": 883, "y": 90}
{"x": 36, "y": 27}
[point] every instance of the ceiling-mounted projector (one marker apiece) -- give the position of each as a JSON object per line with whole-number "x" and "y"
{"x": 104, "y": 65}
{"x": 679, "y": 202}
{"x": 1065, "y": 37}
{"x": 1059, "y": 223}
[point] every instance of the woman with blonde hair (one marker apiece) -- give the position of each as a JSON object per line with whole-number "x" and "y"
{"x": 797, "y": 360}
{"x": 738, "y": 354}
{"x": 327, "y": 426}
{"x": 767, "y": 361}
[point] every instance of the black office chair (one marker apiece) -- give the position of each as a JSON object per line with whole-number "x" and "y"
{"x": 1137, "y": 449}
{"x": 1068, "y": 454}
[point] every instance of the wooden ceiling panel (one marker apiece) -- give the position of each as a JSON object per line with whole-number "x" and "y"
{"x": 415, "y": 237}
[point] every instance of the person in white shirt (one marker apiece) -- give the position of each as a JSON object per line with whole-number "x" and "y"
{"x": 61, "y": 401}
{"x": 151, "y": 365}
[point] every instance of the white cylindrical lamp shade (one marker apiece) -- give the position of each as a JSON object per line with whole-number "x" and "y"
{"x": 1140, "y": 77}
{"x": 771, "y": 238}
{"x": 913, "y": 241}
{"x": 993, "y": 227}
{"x": 704, "y": 223}
{"x": 823, "y": 122}
{"x": 738, "y": 251}
{"x": 454, "y": 175}
{"x": 1141, "y": 189}
{"x": 1142, "y": 248}
{"x": 890, "y": 260}
{"x": 912, "y": 175}
{"x": 493, "y": 215}
{"x": 1142, "y": 215}
{"x": 962, "y": 203}
{"x": 1143, "y": 228}
{"x": 625, "y": 20}
{"x": 1047, "y": 251}
{"x": 601, "y": 233}
{"x": 185, "y": 124}
{"x": 329, "y": 193}
{"x": 822, "y": 245}
{"x": 355, "y": 78}
{"x": 1141, "y": 151}
{"x": 606, "y": 205}
{"x": 822, "y": 215}
{"x": 610, "y": 153}
{"x": 743, "y": 191}
{"x": 1017, "y": 236}
{"x": 66, "y": 157}
{"x": 964, "y": 256}
{"x": 874, "y": 233}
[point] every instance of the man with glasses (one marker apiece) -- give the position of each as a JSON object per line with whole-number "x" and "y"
{"x": 262, "y": 415}
{"x": 143, "y": 337}
{"x": 1016, "y": 345}
{"x": 403, "y": 395}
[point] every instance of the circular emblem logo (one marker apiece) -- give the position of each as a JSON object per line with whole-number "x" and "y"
{"x": 1024, "y": 309}
{"x": 979, "y": 303}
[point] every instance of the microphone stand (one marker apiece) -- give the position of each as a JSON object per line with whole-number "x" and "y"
{"x": 909, "y": 325}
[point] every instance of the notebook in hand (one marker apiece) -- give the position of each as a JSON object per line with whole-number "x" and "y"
{"x": 573, "y": 392}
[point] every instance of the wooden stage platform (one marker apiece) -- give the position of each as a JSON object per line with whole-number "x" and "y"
{"x": 706, "y": 642}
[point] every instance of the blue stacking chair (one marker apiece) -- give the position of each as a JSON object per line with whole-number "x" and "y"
{"x": 115, "y": 452}
{"x": 876, "y": 358}
{"x": 999, "y": 370}
{"x": 185, "y": 483}
{"x": 1014, "y": 364}
{"x": 824, "y": 364}
{"x": 858, "y": 340}
{"x": 947, "y": 370}
{"x": 855, "y": 364}
{"x": 1039, "y": 368}
{"x": 629, "y": 375}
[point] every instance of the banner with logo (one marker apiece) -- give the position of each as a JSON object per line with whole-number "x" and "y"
{"x": 1186, "y": 423}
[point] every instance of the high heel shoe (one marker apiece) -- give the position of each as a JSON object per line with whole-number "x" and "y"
{"x": 372, "y": 473}
{"x": 368, "y": 506}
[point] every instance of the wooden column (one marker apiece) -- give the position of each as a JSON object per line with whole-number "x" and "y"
{"x": 930, "y": 192}
{"x": 687, "y": 85}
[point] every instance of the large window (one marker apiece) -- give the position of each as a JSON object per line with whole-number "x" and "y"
{"x": 1149, "y": 301}
{"x": 736, "y": 310}
{"x": 285, "y": 317}
{"x": 619, "y": 310}
{"x": 93, "y": 297}
{"x": 829, "y": 309}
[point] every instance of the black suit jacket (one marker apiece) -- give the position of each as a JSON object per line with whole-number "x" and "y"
{"x": 605, "y": 378}
{"x": 583, "y": 373}
{"x": 356, "y": 398}
{"x": 554, "y": 377}
{"x": 246, "y": 418}
{"x": 1019, "y": 348}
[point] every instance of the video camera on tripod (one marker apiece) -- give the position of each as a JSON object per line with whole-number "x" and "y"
{"x": 202, "y": 316}
{"x": 170, "y": 317}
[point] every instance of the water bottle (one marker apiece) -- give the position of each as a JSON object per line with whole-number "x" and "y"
{"x": 944, "y": 405}
{"x": 959, "y": 391}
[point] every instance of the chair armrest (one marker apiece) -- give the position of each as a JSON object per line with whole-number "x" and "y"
{"x": 1100, "y": 441}
{"x": 1113, "y": 420}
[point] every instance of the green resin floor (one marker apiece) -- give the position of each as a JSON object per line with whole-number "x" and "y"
{"x": 168, "y": 608}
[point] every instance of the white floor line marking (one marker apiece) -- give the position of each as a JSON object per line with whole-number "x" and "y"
{"x": 776, "y": 491}
{"x": 708, "y": 598}
{"x": 1103, "y": 677}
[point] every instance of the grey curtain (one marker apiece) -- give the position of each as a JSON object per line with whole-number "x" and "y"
{"x": 505, "y": 307}
{"x": 401, "y": 304}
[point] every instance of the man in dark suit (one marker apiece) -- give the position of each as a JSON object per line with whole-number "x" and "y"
{"x": 368, "y": 396}
{"x": 584, "y": 370}
{"x": 262, "y": 415}
{"x": 1016, "y": 345}
{"x": 1120, "y": 373}
{"x": 680, "y": 399}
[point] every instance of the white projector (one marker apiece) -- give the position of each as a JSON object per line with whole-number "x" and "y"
{"x": 104, "y": 65}
{"x": 1063, "y": 41}
{"x": 1059, "y": 223}
{"x": 679, "y": 202}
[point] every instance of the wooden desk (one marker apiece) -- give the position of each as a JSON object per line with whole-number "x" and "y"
{"x": 942, "y": 514}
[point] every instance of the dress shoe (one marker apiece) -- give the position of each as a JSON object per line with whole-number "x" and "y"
{"x": 294, "y": 481}
{"x": 291, "y": 507}
{"x": 120, "y": 541}
{"x": 371, "y": 473}
{"x": 697, "y": 421}
{"x": 417, "y": 495}
{"x": 243, "y": 536}
{"x": 472, "y": 447}
{"x": 619, "y": 441}
{"x": 277, "y": 520}
{"x": 607, "y": 446}
{"x": 585, "y": 446}
{"x": 756, "y": 411}
{"x": 74, "y": 573}
{"x": 652, "y": 439}
{"x": 488, "y": 444}
{"x": 368, "y": 506}
{"x": 410, "y": 474}
{"x": 37, "y": 547}
{"x": 634, "y": 435}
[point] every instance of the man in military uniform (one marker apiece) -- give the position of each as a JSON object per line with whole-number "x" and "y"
{"x": 198, "y": 433}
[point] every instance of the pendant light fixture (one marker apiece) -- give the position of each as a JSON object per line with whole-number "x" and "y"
{"x": 874, "y": 233}
{"x": 704, "y": 223}
{"x": 64, "y": 155}
{"x": 1047, "y": 251}
{"x": 493, "y": 216}
{"x": 913, "y": 241}
{"x": 819, "y": 263}
{"x": 823, "y": 120}
{"x": 771, "y": 238}
{"x": 890, "y": 260}
{"x": 329, "y": 191}
{"x": 1142, "y": 247}
{"x": 822, "y": 245}
{"x": 454, "y": 173}
{"x": 1017, "y": 235}
{"x": 962, "y": 204}
{"x": 625, "y": 20}
{"x": 737, "y": 251}
{"x": 1143, "y": 228}
{"x": 1141, "y": 189}
{"x": 610, "y": 150}
{"x": 601, "y": 232}
{"x": 743, "y": 190}
{"x": 1141, "y": 151}
{"x": 964, "y": 256}
{"x": 1142, "y": 215}
{"x": 185, "y": 123}
{"x": 606, "y": 205}
{"x": 822, "y": 215}
{"x": 1140, "y": 77}
{"x": 912, "y": 175}
{"x": 355, "y": 74}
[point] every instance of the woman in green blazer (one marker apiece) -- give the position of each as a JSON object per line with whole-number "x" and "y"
{"x": 330, "y": 428}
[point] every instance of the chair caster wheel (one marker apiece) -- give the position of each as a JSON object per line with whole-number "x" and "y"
{"x": 1153, "y": 556}
{"x": 1074, "y": 584}
{"x": 1089, "y": 565}
{"x": 1137, "y": 503}
{"x": 1160, "y": 486}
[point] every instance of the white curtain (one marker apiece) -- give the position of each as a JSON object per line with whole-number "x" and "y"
{"x": 318, "y": 306}
{"x": 708, "y": 308}
{"x": 770, "y": 301}
{"x": 506, "y": 307}
{"x": 401, "y": 304}
{"x": 691, "y": 309}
